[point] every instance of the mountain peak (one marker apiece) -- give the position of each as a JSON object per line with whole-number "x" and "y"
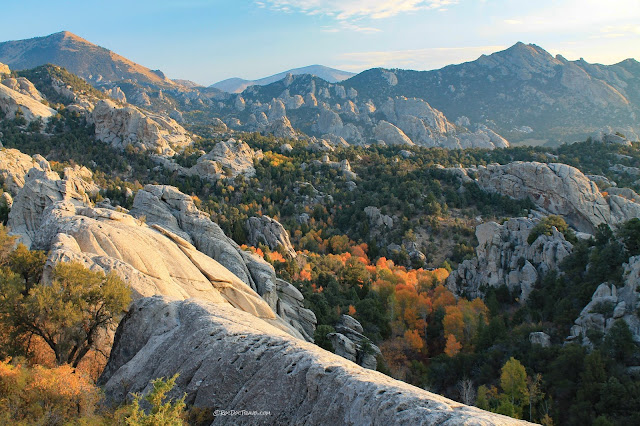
{"x": 79, "y": 56}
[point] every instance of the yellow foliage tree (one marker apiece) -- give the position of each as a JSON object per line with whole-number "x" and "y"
{"x": 453, "y": 346}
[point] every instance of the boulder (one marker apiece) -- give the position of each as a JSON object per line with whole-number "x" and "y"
{"x": 43, "y": 188}
{"x": 24, "y": 86}
{"x": 540, "y": 338}
{"x": 390, "y": 134}
{"x": 281, "y": 128}
{"x": 227, "y": 359}
{"x": 268, "y": 231}
{"x": 350, "y": 343}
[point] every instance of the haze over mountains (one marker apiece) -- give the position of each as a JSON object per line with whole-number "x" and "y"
{"x": 237, "y": 85}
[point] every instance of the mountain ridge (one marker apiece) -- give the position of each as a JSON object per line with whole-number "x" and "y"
{"x": 238, "y": 85}
{"x": 81, "y": 57}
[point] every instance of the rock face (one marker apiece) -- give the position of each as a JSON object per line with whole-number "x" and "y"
{"x": 503, "y": 257}
{"x": 557, "y": 189}
{"x": 234, "y": 155}
{"x": 227, "y": 359}
{"x": 349, "y": 342}
{"x": 167, "y": 207}
{"x": 268, "y": 231}
{"x": 390, "y": 134}
{"x": 42, "y": 189}
{"x": 4, "y": 69}
{"x": 54, "y": 214}
{"x": 121, "y": 126}
{"x": 609, "y": 304}
{"x": 24, "y": 86}
{"x": 14, "y": 165}
{"x": 25, "y": 99}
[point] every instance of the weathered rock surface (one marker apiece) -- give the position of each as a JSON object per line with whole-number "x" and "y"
{"x": 557, "y": 189}
{"x": 42, "y": 188}
{"x": 268, "y": 231}
{"x": 24, "y": 86}
{"x": 504, "y": 257}
{"x": 609, "y": 304}
{"x": 28, "y": 104}
{"x": 4, "y": 69}
{"x": 236, "y": 156}
{"x": 124, "y": 125}
{"x": 54, "y": 214}
{"x": 175, "y": 211}
{"x": 228, "y": 359}
{"x": 390, "y": 134}
{"x": 14, "y": 165}
{"x": 349, "y": 342}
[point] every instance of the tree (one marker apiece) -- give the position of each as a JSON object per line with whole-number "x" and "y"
{"x": 629, "y": 232}
{"x": 453, "y": 346}
{"x": 534, "y": 392}
{"x": 513, "y": 381}
{"x": 68, "y": 314}
{"x": 467, "y": 391}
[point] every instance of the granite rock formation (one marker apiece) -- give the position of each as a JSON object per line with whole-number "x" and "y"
{"x": 228, "y": 359}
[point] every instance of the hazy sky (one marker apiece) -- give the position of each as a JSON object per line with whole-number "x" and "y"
{"x": 210, "y": 40}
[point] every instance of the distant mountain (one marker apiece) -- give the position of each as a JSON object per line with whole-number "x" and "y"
{"x": 237, "y": 85}
{"x": 87, "y": 60}
{"x": 523, "y": 92}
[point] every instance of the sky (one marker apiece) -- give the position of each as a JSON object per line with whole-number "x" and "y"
{"x": 210, "y": 40}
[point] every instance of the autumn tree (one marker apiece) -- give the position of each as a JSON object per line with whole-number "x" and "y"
{"x": 68, "y": 314}
{"x": 513, "y": 381}
{"x": 453, "y": 346}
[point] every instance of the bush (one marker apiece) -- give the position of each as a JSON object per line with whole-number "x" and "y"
{"x": 545, "y": 228}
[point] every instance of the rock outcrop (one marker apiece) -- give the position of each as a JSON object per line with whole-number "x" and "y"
{"x": 504, "y": 257}
{"x": 333, "y": 112}
{"x": 270, "y": 232}
{"x": 14, "y": 165}
{"x": 54, "y": 214}
{"x": 234, "y": 155}
{"x": 227, "y": 359}
{"x": 25, "y": 100}
{"x": 556, "y": 188}
{"x": 349, "y": 342}
{"x": 609, "y": 304}
{"x": 121, "y": 126}
{"x": 43, "y": 188}
{"x": 167, "y": 207}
